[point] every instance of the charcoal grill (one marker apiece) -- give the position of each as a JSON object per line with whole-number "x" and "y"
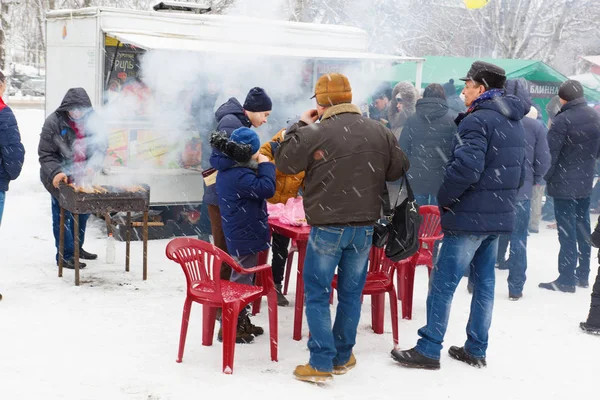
{"x": 103, "y": 201}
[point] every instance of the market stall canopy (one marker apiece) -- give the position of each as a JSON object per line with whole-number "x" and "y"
{"x": 150, "y": 41}
{"x": 544, "y": 80}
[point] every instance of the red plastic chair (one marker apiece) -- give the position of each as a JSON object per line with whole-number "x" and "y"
{"x": 380, "y": 280}
{"x": 288, "y": 266}
{"x": 430, "y": 232}
{"x": 201, "y": 263}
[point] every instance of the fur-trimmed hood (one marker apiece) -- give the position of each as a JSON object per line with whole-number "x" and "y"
{"x": 237, "y": 153}
{"x": 409, "y": 100}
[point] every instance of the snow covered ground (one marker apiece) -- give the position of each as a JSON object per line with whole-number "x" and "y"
{"x": 116, "y": 336}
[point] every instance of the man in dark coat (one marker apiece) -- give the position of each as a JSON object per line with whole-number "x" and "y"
{"x": 476, "y": 200}
{"x": 574, "y": 141}
{"x": 592, "y": 324}
{"x": 231, "y": 116}
{"x": 66, "y": 150}
{"x": 12, "y": 152}
{"x": 537, "y": 162}
{"x": 427, "y": 141}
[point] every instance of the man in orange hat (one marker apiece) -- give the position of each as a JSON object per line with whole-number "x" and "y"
{"x": 347, "y": 159}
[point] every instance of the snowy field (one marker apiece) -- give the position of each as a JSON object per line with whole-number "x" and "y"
{"x": 116, "y": 336}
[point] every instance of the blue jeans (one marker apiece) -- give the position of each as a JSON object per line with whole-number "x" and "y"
{"x": 2, "y": 198}
{"x": 346, "y": 248}
{"x": 573, "y": 224}
{"x": 457, "y": 253}
{"x": 426, "y": 199}
{"x": 517, "y": 259}
{"x": 69, "y": 227}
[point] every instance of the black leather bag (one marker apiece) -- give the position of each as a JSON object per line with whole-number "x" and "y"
{"x": 381, "y": 228}
{"x": 403, "y": 236}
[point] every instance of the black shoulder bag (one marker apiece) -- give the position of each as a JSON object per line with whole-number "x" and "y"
{"x": 403, "y": 227}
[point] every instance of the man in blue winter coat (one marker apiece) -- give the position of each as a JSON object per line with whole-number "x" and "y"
{"x": 476, "y": 200}
{"x": 12, "y": 152}
{"x": 537, "y": 162}
{"x": 574, "y": 141}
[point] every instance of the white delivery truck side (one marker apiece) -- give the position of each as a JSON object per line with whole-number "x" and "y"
{"x": 99, "y": 49}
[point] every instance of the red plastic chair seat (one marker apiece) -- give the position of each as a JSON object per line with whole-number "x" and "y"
{"x": 231, "y": 292}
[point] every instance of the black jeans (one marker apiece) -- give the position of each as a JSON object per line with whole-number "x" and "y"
{"x": 280, "y": 255}
{"x": 594, "y": 317}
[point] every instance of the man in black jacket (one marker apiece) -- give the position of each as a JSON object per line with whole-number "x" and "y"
{"x": 574, "y": 141}
{"x": 65, "y": 151}
{"x": 592, "y": 325}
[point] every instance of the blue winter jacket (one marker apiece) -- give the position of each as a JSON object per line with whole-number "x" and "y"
{"x": 574, "y": 141}
{"x": 243, "y": 190}
{"x": 485, "y": 170}
{"x": 12, "y": 152}
{"x": 230, "y": 116}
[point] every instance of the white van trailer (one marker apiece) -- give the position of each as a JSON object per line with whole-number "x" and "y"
{"x": 80, "y": 44}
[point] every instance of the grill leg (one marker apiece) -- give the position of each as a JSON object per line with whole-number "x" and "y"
{"x": 128, "y": 240}
{"x": 76, "y": 247}
{"x": 61, "y": 242}
{"x": 145, "y": 234}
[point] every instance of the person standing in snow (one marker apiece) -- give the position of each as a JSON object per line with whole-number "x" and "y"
{"x": 476, "y": 202}
{"x": 231, "y": 116}
{"x": 246, "y": 179}
{"x": 379, "y": 110}
{"x": 455, "y": 103}
{"x": 427, "y": 141}
{"x": 287, "y": 187}
{"x": 12, "y": 152}
{"x": 574, "y": 141}
{"x": 404, "y": 99}
{"x": 65, "y": 150}
{"x": 537, "y": 162}
{"x": 347, "y": 159}
{"x": 592, "y": 324}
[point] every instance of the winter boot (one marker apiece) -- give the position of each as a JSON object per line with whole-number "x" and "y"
{"x": 306, "y": 373}
{"x": 84, "y": 255}
{"x": 557, "y": 287}
{"x": 460, "y": 354}
{"x": 281, "y": 300}
{"x": 413, "y": 359}
{"x": 582, "y": 283}
{"x": 248, "y": 327}
{"x": 342, "y": 369}
{"x": 70, "y": 264}
{"x": 591, "y": 329}
{"x": 241, "y": 336}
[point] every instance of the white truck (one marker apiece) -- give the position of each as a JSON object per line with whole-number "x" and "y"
{"x": 99, "y": 49}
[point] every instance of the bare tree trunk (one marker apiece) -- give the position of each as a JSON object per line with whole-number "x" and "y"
{"x": 4, "y": 27}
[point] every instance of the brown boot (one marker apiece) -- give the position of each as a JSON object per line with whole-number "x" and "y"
{"x": 342, "y": 369}
{"x": 250, "y": 329}
{"x": 306, "y": 373}
{"x": 241, "y": 336}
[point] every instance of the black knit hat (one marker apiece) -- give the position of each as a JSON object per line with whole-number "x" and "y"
{"x": 257, "y": 100}
{"x": 489, "y": 75}
{"x": 570, "y": 90}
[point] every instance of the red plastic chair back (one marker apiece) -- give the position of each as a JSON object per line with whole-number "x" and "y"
{"x": 201, "y": 264}
{"x": 379, "y": 264}
{"x": 431, "y": 225}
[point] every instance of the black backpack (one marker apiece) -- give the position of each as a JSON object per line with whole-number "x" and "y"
{"x": 403, "y": 227}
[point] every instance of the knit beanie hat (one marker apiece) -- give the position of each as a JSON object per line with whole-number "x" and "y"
{"x": 449, "y": 88}
{"x": 570, "y": 90}
{"x": 332, "y": 89}
{"x": 257, "y": 100}
{"x": 246, "y": 136}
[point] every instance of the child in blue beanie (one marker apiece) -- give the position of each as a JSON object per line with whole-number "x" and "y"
{"x": 246, "y": 179}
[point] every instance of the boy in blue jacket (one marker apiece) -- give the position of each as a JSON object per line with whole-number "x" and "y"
{"x": 245, "y": 180}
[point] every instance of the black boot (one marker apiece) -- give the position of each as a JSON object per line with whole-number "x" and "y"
{"x": 582, "y": 283}
{"x": 413, "y": 359}
{"x": 460, "y": 354}
{"x": 241, "y": 336}
{"x": 557, "y": 287}
{"x": 281, "y": 300}
{"x": 70, "y": 264}
{"x": 591, "y": 329}
{"x": 84, "y": 255}
{"x": 249, "y": 328}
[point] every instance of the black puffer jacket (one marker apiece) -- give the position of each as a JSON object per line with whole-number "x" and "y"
{"x": 427, "y": 141}
{"x": 574, "y": 141}
{"x": 57, "y": 138}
